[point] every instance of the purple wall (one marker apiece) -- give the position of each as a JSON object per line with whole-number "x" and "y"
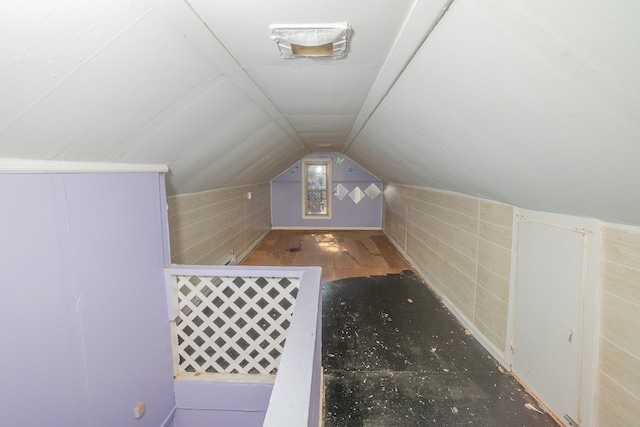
{"x": 221, "y": 403}
{"x": 286, "y": 197}
{"x": 83, "y": 310}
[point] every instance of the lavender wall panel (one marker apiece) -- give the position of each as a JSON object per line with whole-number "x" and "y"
{"x": 38, "y": 323}
{"x": 83, "y": 311}
{"x": 221, "y": 403}
{"x": 223, "y": 395}
{"x": 286, "y": 197}
{"x": 207, "y": 418}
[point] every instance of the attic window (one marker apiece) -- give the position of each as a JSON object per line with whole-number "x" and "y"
{"x": 316, "y": 185}
{"x": 312, "y": 40}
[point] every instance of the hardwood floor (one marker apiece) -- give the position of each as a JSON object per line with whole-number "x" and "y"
{"x": 341, "y": 253}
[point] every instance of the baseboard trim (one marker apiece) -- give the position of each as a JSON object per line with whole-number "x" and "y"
{"x": 460, "y": 317}
{"x": 244, "y": 254}
{"x": 169, "y": 418}
{"x": 322, "y": 399}
{"x": 328, "y": 228}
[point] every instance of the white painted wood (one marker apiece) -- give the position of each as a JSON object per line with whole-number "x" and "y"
{"x": 221, "y": 329}
{"x": 295, "y": 394}
{"x": 517, "y": 71}
{"x": 200, "y": 33}
{"x": 548, "y": 336}
{"x": 413, "y": 34}
{"x": 297, "y": 389}
{"x": 9, "y": 165}
{"x": 332, "y": 89}
{"x": 591, "y": 325}
{"x": 517, "y": 101}
{"x": 48, "y": 44}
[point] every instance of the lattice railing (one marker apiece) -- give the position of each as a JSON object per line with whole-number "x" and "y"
{"x": 229, "y": 321}
{"x": 232, "y": 324}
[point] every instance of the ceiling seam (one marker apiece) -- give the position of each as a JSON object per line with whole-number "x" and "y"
{"x": 140, "y": 136}
{"x": 60, "y": 148}
{"x": 80, "y": 66}
{"x": 282, "y": 116}
{"x": 443, "y": 12}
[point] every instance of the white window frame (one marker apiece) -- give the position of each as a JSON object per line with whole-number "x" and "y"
{"x": 312, "y": 162}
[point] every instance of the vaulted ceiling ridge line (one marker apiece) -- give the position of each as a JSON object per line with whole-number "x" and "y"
{"x": 64, "y": 79}
{"x": 390, "y": 72}
{"x": 275, "y": 113}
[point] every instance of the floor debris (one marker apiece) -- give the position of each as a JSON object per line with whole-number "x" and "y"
{"x": 533, "y": 408}
{"x": 411, "y": 371}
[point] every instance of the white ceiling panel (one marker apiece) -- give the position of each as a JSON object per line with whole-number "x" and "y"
{"x": 389, "y": 137}
{"x": 243, "y": 26}
{"x": 188, "y": 125}
{"x": 312, "y": 124}
{"x": 132, "y": 60}
{"x": 271, "y": 164}
{"x": 329, "y": 79}
{"x": 324, "y": 138}
{"x": 46, "y": 41}
{"x": 341, "y": 105}
{"x": 514, "y": 113}
{"x": 214, "y": 145}
{"x": 153, "y": 104}
{"x": 536, "y": 104}
{"x": 322, "y": 86}
{"x": 225, "y": 168}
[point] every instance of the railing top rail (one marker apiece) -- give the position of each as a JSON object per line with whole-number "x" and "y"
{"x": 291, "y": 397}
{"x": 239, "y": 270}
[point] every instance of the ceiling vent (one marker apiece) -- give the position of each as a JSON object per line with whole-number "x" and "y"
{"x": 312, "y": 40}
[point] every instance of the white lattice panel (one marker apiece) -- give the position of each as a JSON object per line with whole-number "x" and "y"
{"x": 233, "y": 324}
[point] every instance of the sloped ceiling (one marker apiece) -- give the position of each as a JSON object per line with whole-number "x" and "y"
{"x": 536, "y": 104}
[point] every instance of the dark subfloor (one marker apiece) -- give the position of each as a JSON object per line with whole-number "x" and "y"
{"x": 394, "y": 356}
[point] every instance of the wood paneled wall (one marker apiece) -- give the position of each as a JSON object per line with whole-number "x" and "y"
{"x": 618, "y": 376}
{"x": 208, "y": 227}
{"x": 394, "y": 215}
{"x": 462, "y": 246}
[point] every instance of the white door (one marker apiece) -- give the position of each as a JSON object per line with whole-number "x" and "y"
{"x": 548, "y": 315}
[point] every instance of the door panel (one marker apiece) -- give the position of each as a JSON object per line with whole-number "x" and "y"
{"x": 548, "y": 314}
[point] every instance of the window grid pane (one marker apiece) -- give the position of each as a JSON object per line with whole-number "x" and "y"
{"x": 316, "y": 202}
{"x": 316, "y": 188}
{"x": 316, "y": 177}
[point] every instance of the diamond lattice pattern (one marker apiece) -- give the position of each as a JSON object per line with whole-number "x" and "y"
{"x": 233, "y": 324}
{"x": 316, "y": 201}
